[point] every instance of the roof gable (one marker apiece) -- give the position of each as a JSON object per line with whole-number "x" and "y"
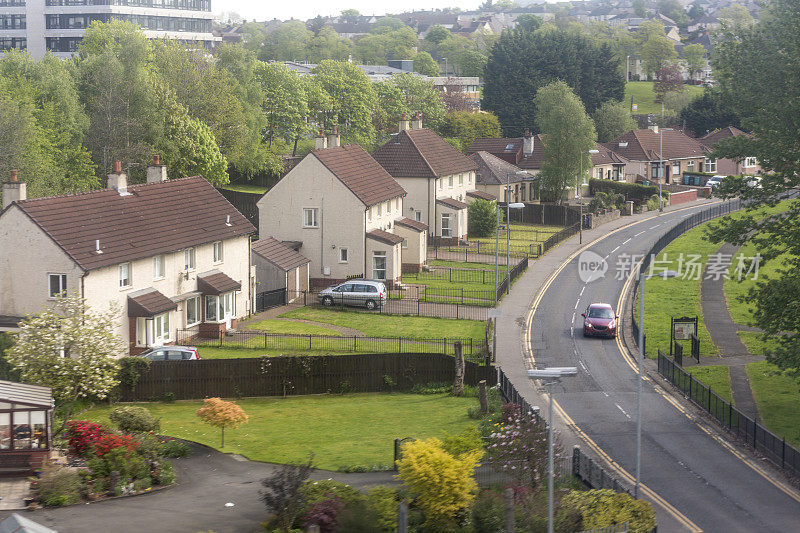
{"x": 494, "y": 171}
{"x": 153, "y": 218}
{"x": 646, "y": 145}
{"x": 712, "y": 138}
{"x": 421, "y": 154}
{"x": 278, "y": 253}
{"x": 360, "y": 173}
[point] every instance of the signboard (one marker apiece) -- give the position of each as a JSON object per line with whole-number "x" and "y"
{"x": 635, "y": 107}
{"x": 683, "y": 330}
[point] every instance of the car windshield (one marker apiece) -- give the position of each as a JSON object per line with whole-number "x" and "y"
{"x": 600, "y": 312}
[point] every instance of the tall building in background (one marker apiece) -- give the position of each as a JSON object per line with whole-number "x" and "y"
{"x": 59, "y": 25}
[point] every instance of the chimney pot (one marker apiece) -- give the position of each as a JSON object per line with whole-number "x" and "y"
{"x": 416, "y": 124}
{"x": 156, "y": 172}
{"x": 14, "y": 175}
{"x": 117, "y": 166}
{"x": 156, "y": 159}
{"x": 333, "y": 138}
{"x": 321, "y": 142}
{"x": 14, "y": 190}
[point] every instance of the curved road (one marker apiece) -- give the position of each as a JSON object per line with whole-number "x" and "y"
{"x": 708, "y": 484}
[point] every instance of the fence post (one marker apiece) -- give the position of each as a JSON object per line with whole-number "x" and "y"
{"x": 508, "y": 496}
{"x": 402, "y": 517}
{"x": 309, "y": 341}
{"x": 783, "y": 454}
{"x": 265, "y": 341}
{"x": 399, "y": 344}
{"x": 355, "y": 345}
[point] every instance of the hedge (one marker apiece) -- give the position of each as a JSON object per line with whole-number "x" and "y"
{"x": 631, "y": 191}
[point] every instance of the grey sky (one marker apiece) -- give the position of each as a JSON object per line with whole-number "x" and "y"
{"x": 305, "y": 9}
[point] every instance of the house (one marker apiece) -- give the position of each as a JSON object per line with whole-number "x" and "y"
{"x": 169, "y": 254}
{"x": 608, "y": 165}
{"x": 704, "y": 23}
{"x": 728, "y": 167}
{"x": 436, "y": 176}
{"x": 342, "y": 208}
{"x": 509, "y": 149}
{"x": 279, "y": 267}
{"x": 25, "y": 428}
{"x": 643, "y": 150}
{"x": 495, "y": 174}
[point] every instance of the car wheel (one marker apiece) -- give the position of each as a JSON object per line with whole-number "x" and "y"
{"x": 370, "y": 304}
{"x": 327, "y": 301}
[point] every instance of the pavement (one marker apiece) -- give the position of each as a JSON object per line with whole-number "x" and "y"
{"x": 12, "y": 492}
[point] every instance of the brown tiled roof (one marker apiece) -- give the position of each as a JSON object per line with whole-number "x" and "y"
{"x": 482, "y": 195}
{"x": 496, "y": 145}
{"x": 421, "y": 154}
{"x": 278, "y": 253}
{"x": 712, "y": 138}
{"x": 384, "y": 237}
{"x": 154, "y": 218}
{"x": 494, "y": 171}
{"x": 413, "y": 224}
{"x": 149, "y": 302}
{"x": 216, "y": 282}
{"x": 360, "y": 173}
{"x": 452, "y": 203}
{"x": 607, "y": 157}
{"x": 535, "y": 160}
{"x": 644, "y": 145}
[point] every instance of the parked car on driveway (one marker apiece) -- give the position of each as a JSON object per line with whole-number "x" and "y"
{"x": 599, "y": 321}
{"x": 172, "y": 353}
{"x": 358, "y": 292}
{"x": 714, "y": 181}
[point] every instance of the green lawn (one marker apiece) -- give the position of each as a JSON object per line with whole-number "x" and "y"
{"x": 755, "y": 343}
{"x": 243, "y": 187}
{"x": 522, "y": 235}
{"x": 735, "y": 289}
{"x": 284, "y": 326}
{"x": 466, "y": 265}
{"x": 374, "y": 325}
{"x": 645, "y": 98}
{"x": 341, "y": 431}
{"x": 778, "y": 400}
{"x": 717, "y": 378}
{"x": 467, "y": 283}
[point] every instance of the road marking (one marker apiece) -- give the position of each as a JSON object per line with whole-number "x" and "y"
{"x": 604, "y": 392}
{"x": 583, "y": 289}
{"x": 640, "y": 233}
{"x": 584, "y": 367}
{"x": 577, "y": 304}
{"x": 614, "y": 250}
{"x": 623, "y": 410}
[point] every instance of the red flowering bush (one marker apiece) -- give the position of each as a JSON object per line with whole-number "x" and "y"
{"x": 82, "y": 435}
{"x": 111, "y": 441}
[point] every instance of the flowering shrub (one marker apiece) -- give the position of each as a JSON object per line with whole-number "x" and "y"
{"x": 518, "y": 446}
{"x": 82, "y": 436}
{"x": 324, "y": 514}
{"x": 111, "y": 441}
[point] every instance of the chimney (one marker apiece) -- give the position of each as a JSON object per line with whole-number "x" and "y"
{"x": 653, "y": 128}
{"x": 117, "y": 179}
{"x": 321, "y": 142}
{"x": 14, "y": 190}
{"x": 156, "y": 172}
{"x": 404, "y": 125}
{"x": 416, "y": 124}
{"x": 333, "y": 137}
{"x": 527, "y": 144}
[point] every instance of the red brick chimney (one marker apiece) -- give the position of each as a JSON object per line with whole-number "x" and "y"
{"x": 14, "y": 190}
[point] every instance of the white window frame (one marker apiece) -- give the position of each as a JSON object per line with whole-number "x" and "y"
{"x": 388, "y": 207}
{"x": 711, "y": 165}
{"x": 690, "y": 165}
{"x": 62, "y": 283}
{"x": 344, "y": 255}
{"x": 418, "y": 216}
{"x": 447, "y": 231}
{"x": 313, "y": 221}
{"x": 441, "y": 183}
{"x": 195, "y": 301}
{"x": 676, "y": 168}
{"x": 189, "y": 259}
{"x": 380, "y": 210}
{"x": 212, "y": 302}
{"x": 460, "y": 180}
{"x": 405, "y": 243}
{"x": 161, "y": 323}
{"x": 218, "y": 252}
{"x": 449, "y": 182}
{"x": 750, "y": 161}
{"x": 375, "y": 271}
{"x": 125, "y": 275}
{"x": 159, "y": 267}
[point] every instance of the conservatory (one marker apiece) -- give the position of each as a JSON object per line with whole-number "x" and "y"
{"x": 25, "y": 427}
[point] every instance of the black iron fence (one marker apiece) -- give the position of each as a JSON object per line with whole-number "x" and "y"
{"x": 483, "y": 252}
{"x": 513, "y": 274}
{"x": 774, "y": 448}
{"x": 557, "y": 238}
{"x": 270, "y": 299}
{"x": 544, "y": 214}
{"x": 592, "y": 474}
{"x": 304, "y": 343}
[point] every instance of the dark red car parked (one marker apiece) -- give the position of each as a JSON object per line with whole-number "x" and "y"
{"x": 600, "y": 321}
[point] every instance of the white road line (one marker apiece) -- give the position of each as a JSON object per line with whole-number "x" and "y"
{"x": 627, "y": 241}
{"x": 573, "y": 318}
{"x": 606, "y": 394}
{"x": 583, "y": 289}
{"x": 639, "y": 233}
{"x": 654, "y": 227}
{"x": 614, "y": 250}
{"x": 584, "y": 367}
{"x": 577, "y": 304}
{"x": 623, "y": 410}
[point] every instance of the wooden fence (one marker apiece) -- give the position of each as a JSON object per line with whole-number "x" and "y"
{"x": 289, "y": 376}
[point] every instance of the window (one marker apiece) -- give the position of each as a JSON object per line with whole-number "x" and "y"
{"x": 676, "y": 168}
{"x": 396, "y": 204}
{"x": 211, "y": 308}
{"x": 750, "y": 162}
{"x": 461, "y": 179}
{"x": 380, "y": 209}
{"x": 218, "y": 252}
{"x": 450, "y": 182}
{"x": 192, "y": 311}
{"x": 369, "y": 214}
{"x": 344, "y": 255}
{"x": 711, "y": 165}
{"x": 656, "y": 170}
{"x": 405, "y": 243}
{"x": 379, "y": 265}
{"x": 58, "y": 285}
{"x": 418, "y": 216}
{"x": 469, "y": 178}
{"x": 125, "y": 275}
{"x": 441, "y": 183}
{"x": 158, "y": 267}
{"x": 388, "y": 207}
{"x": 188, "y": 259}
{"x": 690, "y": 165}
{"x": 310, "y": 218}
{"x": 446, "y": 231}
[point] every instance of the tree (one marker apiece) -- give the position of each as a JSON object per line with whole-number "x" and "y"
{"x": 466, "y": 126}
{"x": 437, "y": 34}
{"x": 528, "y": 22}
{"x": 768, "y": 100}
{"x": 391, "y": 106}
{"x": 640, "y": 8}
{"x": 735, "y": 17}
{"x": 420, "y": 95}
{"x": 694, "y": 57}
{"x": 282, "y": 495}
{"x": 220, "y": 413}
{"x": 70, "y": 348}
{"x": 566, "y": 132}
{"x": 352, "y": 100}
{"x": 696, "y": 11}
{"x": 283, "y": 102}
{"x": 674, "y": 10}
{"x": 709, "y": 112}
{"x": 442, "y": 484}
{"x": 612, "y": 119}
{"x": 350, "y": 15}
{"x": 382, "y": 45}
{"x": 668, "y": 79}
{"x": 657, "y": 51}
{"x": 425, "y": 65}
{"x": 482, "y": 218}
{"x": 287, "y": 42}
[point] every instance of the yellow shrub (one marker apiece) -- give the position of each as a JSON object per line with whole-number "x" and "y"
{"x": 601, "y": 508}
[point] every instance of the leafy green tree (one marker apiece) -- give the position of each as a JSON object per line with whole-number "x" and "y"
{"x": 566, "y": 132}
{"x": 352, "y": 100}
{"x": 482, "y": 218}
{"x": 350, "y": 15}
{"x": 391, "y": 105}
{"x": 640, "y": 8}
{"x": 694, "y": 57}
{"x": 385, "y": 24}
{"x": 696, "y": 11}
{"x": 528, "y": 22}
{"x": 735, "y": 17}
{"x": 254, "y": 35}
{"x": 437, "y": 34}
{"x": 674, "y": 10}
{"x": 467, "y": 126}
{"x": 522, "y": 62}
{"x": 420, "y": 95}
{"x": 657, "y": 51}
{"x": 756, "y": 67}
{"x": 604, "y": 508}
{"x": 612, "y": 119}
{"x": 287, "y": 42}
{"x": 283, "y": 102}
{"x": 425, "y": 65}
{"x": 709, "y": 112}
{"x": 473, "y": 63}
{"x": 377, "y": 48}
{"x": 326, "y": 44}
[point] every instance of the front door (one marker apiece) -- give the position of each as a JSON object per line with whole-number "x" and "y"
{"x": 228, "y": 305}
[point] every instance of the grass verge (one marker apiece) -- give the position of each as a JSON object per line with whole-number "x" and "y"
{"x": 717, "y": 378}
{"x": 354, "y": 430}
{"x": 645, "y": 98}
{"x": 755, "y": 343}
{"x": 778, "y": 400}
{"x": 299, "y": 328}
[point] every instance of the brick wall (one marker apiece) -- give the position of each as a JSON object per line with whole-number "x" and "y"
{"x": 682, "y": 197}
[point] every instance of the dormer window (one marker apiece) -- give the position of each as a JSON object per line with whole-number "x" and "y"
{"x": 623, "y": 144}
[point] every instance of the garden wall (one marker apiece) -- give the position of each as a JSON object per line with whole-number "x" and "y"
{"x": 682, "y": 197}
{"x": 592, "y": 220}
{"x": 296, "y": 375}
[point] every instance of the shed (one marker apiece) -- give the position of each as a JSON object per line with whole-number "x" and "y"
{"x": 25, "y": 427}
{"x": 279, "y": 268}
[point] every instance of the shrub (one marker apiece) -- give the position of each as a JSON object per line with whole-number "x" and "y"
{"x": 130, "y": 368}
{"x": 467, "y": 441}
{"x": 111, "y": 441}
{"x": 220, "y": 413}
{"x": 129, "y": 464}
{"x": 325, "y": 514}
{"x": 174, "y": 448}
{"x": 162, "y": 473}
{"x": 59, "y": 486}
{"x": 359, "y": 517}
{"x": 601, "y": 508}
{"x": 652, "y": 203}
{"x": 134, "y": 419}
{"x": 82, "y": 435}
{"x": 383, "y": 501}
{"x": 442, "y": 484}
{"x": 481, "y": 218}
{"x": 314, "y": 492}
{"x": 630, "y": 191}
{"x": 282, "y": 495}
{"x": 488, "y": 512}
{"x": 518, "y": 447}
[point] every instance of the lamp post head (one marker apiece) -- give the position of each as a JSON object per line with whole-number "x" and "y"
{"x": 594, "y": 151}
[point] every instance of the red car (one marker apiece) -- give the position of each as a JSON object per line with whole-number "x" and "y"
{"x": 600, "y": 321}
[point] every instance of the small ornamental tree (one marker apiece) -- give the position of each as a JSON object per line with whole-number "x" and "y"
{"x": 220, "y": 413}
{"x": 482, "y": 218}
{"x": 668, "y": 79}
{"x": 441, "y": 483}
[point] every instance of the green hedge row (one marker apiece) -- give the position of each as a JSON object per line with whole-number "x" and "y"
{"x": 631, "y": 191}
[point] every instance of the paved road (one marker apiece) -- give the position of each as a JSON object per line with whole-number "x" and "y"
{"x": 680, "y": 462}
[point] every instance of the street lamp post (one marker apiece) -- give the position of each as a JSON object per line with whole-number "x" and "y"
{"x": 578, "y": 187}
{"x": 517, "y": 205}
{"x": 640, "y": 362}
{"x": 497, "y": 267}
{"x": 551, "y": 376}
{"x": 445, "y": 66}
{"x": 661, "y": 170}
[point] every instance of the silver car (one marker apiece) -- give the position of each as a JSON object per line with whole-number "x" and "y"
{"x": 358, "y": 292}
